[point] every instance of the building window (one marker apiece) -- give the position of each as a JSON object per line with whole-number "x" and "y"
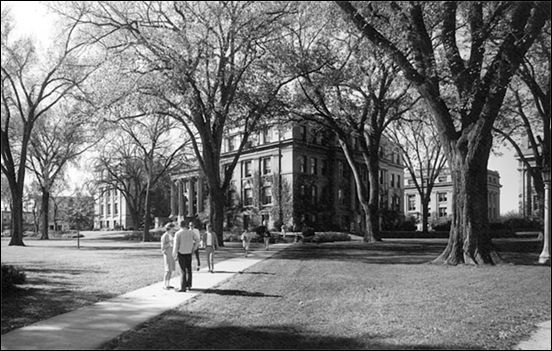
{"x": 101, "y": 210}
{"x": 340, "y": 197}
{"x": 247, "y": 169}
{"x": 442, "y": 211}
{"x": 398, "y": 181}
{"x": 303, "y": 133}
{"x": 442, "y": 179}
{"x": 231, "y": 143}
{"x": 392, "y": 180}
{"x": 115, "y": 208}
{"x": 314, "y": 194}
{"x": 302, "y": 190}
{"x": 248, "y": 197}
{"x": 266, "y": 165}
{"x": 324, "y": 169}
{"x": 267, "y": 195}
{"x": 265, "y": 136}
{"x": 303, "y": 164}
{"x": 442, "y": 197}
{"x": 313, "y": 165}
{"x": 108, "y": 208}
{"x": 412, "y": 202}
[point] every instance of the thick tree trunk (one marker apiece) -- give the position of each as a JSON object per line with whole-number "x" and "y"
{"x": 17, "y": 220}
{"x": 45, "y": 210}
{"x": 216, "y": 215}
{"x": 372, "y": 215}
{"x": 469, "y": 240}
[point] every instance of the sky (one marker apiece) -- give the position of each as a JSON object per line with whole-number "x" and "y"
{"x": 31, "y": 19}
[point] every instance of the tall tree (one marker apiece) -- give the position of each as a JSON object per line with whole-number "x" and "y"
{"x": 209, "y": 65}
{"x": 460, "y": 56}
{"x": 345, "y": 86}
{"x": 422, "y": 154}
{"x": 67, "y": 132}
{"x": 32, "y": 83}
{"x": 137, "y": 159}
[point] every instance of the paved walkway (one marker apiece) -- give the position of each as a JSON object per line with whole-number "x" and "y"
{"x": 92, "y": 326}
{"x": 539, "y": 340}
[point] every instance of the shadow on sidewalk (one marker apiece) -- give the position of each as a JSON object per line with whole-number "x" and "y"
{"x": 234, "y": 292}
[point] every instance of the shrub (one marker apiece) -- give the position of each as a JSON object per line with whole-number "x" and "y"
{"x": 330, "y": 237}
{"x": 11, "y": 276}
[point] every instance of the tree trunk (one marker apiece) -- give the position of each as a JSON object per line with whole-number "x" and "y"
{"x": 147, "y": 217}
{"x": 425, "y": 215}
{"x": 17, "y": 220}
{"x": 469, "y": 240}
{"x": 216, "y": 215}
{"x": 372, "y": 215}
{"x": 45, "y": 209}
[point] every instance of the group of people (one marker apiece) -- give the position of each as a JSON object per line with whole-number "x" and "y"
{"x": 180, "y": 244}
{"x": 246, "y": 237}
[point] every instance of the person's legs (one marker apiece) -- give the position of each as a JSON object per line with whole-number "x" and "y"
{"x": 209, "y": 254}
{"x": 188, "y": 267}
{"x": 197, "y": 258}
{"x": 182, "y": 264}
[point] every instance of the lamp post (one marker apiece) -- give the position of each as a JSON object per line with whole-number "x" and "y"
{"x": 544, "y": 257}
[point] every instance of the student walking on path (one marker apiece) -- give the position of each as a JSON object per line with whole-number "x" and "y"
{"x": 246, "y": 239}
{"x": 167, "y": 250}
{"x": 211, "y": 244}
{"x": 185, "y": 242}
{"x": 193, "y": 228}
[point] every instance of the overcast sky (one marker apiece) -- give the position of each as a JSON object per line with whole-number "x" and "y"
{"x": 31, "y": 18}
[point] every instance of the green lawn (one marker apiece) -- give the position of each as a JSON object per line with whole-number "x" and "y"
{"x": 311, "y": 296}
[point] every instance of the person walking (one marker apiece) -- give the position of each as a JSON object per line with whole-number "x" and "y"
{"x": 211, "y": 244}
{"x": 263, "y": 231}
{"x": 193, "y": 228}
{"x": 168, "y": 259}
{"x": 246, "y": 239}
{"x": 185, "y": 242}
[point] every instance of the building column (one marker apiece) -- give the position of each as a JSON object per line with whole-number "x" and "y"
{"x": 180, "y": 199}
{"x": 174, "y": 200}
{"x": 191, "y": 197}
{"x": 199, "y": 194}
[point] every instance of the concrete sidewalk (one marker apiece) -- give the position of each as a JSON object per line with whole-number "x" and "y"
{"x": 92, "y": 326}
{"x": 539, "y": 340}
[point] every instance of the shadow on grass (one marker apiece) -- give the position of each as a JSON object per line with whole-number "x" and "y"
{"x": 516, "y": 252}
{"x": 234, "y": 292}
{"x": 24, "y": 306}
{"x": 185, "y": 330}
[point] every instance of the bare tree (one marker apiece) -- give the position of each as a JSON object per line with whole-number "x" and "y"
{"x": 422, "y": 154}
{"x": 31, "y": 85}
{"x": 66, "y": 133}
{"x": 460, "y": 56}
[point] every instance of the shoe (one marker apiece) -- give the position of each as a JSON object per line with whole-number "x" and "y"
{"x": 180, "y": 290}
{"x": 166, "y": 288}
{"x": 198, "y": 268}
{"x": 170, "y": 287}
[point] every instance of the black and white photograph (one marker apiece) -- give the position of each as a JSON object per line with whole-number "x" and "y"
{"x": 285, "y": 175}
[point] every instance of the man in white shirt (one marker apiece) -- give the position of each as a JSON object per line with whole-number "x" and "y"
{"x": 185, "y": 242}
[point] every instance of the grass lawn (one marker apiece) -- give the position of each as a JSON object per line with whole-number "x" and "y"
{"x": 62, "y": 278}
{"x": 311, "y": 296}
{"x": 358, "y": 296}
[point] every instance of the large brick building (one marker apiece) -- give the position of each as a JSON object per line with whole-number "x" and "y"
{"x": 299, "y": 164}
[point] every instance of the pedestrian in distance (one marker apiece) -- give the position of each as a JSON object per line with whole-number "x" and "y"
{"x": 263, "y": 232}
{"x": 185, "y": 242}
{"x": 193, "y": 228}
{"x": 211, "y": 244}
{"x": 246, "y": 240}
{"x": 167, "y": 250}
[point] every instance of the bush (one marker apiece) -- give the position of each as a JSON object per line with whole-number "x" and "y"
{"x": 11, "y": 276}
{"x": 308, "y": 232}
{"x": 329, "y": 237}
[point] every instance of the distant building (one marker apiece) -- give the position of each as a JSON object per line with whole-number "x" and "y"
{"x": 111, "y": 210}
{"x": 528, "y": 201}
{"x": 440, "y": 204}
{"x": 299, "y": 164}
